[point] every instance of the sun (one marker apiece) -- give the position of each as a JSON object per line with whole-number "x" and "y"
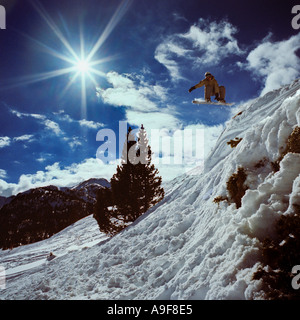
{"x": 82, "y": 66}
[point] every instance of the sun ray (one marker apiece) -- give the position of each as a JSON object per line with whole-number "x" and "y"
{"x": 72, "y": 80}
{"x": 98, "y": 72}
{"x": 53, "y": 26}
{"x": 83, "y": 97}
{"x": 121, "y": 10}
{"x": 92, "y": 78}
{"x": 47, "y": 49}
{"x": 81, "y": 43}
{"x": 25, "y": 80}
{"x": 103, "y": 60}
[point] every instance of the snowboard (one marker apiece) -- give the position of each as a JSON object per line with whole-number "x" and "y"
{"x": 213, "y": 102}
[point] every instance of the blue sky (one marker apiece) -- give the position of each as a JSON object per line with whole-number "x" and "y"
{"x": 143, "y": 58}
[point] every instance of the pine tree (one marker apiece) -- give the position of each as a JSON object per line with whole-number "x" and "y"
{"x": 102, "y": 211}
{"x": 135, "y": 187}
{"x": 122, "y": 182}
{"x": 149, "y": 187}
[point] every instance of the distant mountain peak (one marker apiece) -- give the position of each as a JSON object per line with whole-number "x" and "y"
{"x": 38, "y": 213}
{"x": 92, "y": 181}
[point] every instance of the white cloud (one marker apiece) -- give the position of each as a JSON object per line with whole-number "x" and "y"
{"x": 53, "y": 126}
{"x": 131, "y": 91}
{"x": 205, "y": 43}
{"x": 143, "y": 101}
{"x": 83, "y": 123}
{"x": 166, "y": 54}
{"x": 178, "y": 17}
{"x": 73, "y": 141}
{"x": 44, "y": 156}
{"x": 32, "y": 115}
{"x": 276, "y": 63}
{"x": 62, "y": 116}
{"x": 214, "y": 41}
{"x": 49, "y": 124}
{"x": 90, "y": 124}
{"x": 6, "y": 189}
{"x": 25, "y": 137}
{"x": 153, "y": 120}
{"x": 59, "y": 176}
{"x": 41, "y": 159}
{"x": 4, "y": 142}
{"x": 3, "y": 174}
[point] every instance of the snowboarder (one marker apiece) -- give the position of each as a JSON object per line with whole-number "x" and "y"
{"x": 211, "y": 88}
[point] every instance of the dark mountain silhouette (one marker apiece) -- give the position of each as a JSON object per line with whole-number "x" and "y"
{"x": 39, "y": 213}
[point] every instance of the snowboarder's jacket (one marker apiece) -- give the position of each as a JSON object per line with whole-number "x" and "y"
{"x": 205, "y": 82}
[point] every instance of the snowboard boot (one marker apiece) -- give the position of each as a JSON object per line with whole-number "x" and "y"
{"x": 208, "y": 100}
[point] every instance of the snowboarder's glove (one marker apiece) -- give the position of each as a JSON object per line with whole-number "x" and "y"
{"x": 217, "y": 97}
{"x": 192, "y": 88}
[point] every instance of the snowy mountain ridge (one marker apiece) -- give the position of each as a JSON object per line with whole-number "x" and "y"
{"x": 86, "y": 189}
{"x": 188, "y": 246}
{"x": 38, "y": 213}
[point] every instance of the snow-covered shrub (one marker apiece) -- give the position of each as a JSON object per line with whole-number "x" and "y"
{"x": 220, "y": 199}
{"x": 292, "y": 145}
{"x": 235, "y": 142}
{"x": 236, "y": 187}
{"x": 281, "y": 252}
{"x": 279, "y": 256}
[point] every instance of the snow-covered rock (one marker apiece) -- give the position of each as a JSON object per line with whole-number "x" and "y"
{"x": 189, "y": 247}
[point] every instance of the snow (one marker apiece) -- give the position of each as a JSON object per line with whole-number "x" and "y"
{"x": 187, "y": 247}
{"x": 75, "y": 237}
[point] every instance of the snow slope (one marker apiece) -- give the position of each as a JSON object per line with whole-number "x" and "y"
{"x": 23, "y": 259}
{"x": 189, "y": 247}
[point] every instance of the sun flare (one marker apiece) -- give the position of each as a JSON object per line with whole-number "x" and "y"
{"x": 82, "y": 66}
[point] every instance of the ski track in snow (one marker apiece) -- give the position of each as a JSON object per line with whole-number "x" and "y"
{"x": 187, "y": 247}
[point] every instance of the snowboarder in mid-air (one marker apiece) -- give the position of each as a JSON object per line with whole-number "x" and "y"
{"x": 211, "y": 88}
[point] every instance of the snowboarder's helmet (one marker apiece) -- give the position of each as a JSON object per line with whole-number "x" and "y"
{"x": 207, "y": 74}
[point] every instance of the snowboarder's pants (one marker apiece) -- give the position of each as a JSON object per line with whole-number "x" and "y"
{"x": 222, "y": 92}
{"x": 209, "y": 91}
